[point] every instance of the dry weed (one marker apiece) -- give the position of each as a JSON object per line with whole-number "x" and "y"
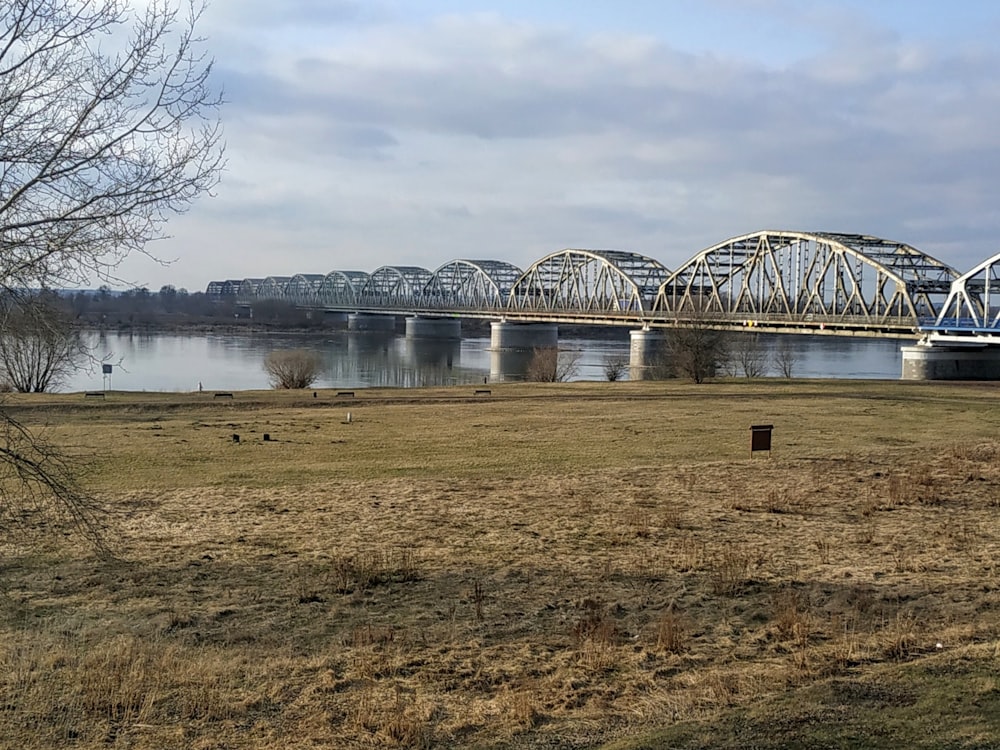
{"x": 670, "y": 631}
{"x": 729, "y": 570}
{"x": 899, "y": 636}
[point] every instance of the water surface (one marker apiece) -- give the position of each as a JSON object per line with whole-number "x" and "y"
{"x": 231, "y": 361}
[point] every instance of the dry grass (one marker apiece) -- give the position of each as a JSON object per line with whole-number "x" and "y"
{"x": 552, "y": 566}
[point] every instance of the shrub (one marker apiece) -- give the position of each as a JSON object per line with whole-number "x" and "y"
{"x": 293, "y": 368}
{"x": 549, "y": 365}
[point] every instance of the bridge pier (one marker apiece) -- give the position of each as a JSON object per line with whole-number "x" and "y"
{"x": 513, "y": 345}
{"x": 335, "y": 318}
{"x": 420, "y": 327}
{"x": 943, "y": 362}
{"x": 507, "y": 336}
{"x": 645, "y": 353}
{"x": 365, "y": 322}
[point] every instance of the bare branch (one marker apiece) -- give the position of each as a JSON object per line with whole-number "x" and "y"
{"x": 550, "y": 365}
{"x": 39, "y": 481}
{"x": 98, "y": 149}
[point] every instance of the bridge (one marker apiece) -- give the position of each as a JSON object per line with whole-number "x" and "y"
{"x": 819, "y": 282}
{"x": 774, "y": 281}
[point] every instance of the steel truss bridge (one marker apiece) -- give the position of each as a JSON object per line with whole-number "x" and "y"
{"x": 780, "y": 281}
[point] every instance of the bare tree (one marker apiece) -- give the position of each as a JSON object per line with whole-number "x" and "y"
{"x": 695, "y": 347}
{"x": 785, "y": 358}
{"x": 39, "y": 347}
{"x": 293, "y": 368}
{"x": 108, "y": 126}
{"x": 696, "y": 351}
{"x": 747, "y": 355}
{"x": 550, "y": 365}
{"x": 615, "y": 367}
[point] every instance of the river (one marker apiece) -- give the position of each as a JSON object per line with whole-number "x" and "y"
{"x": 232, "y": 361}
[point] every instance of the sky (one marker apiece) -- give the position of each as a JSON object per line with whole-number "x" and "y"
{"x": 363, "y": 133}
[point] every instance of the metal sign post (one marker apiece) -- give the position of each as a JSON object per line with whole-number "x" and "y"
{"x": 760, "y": 438}
{"x": 106, "y": 371}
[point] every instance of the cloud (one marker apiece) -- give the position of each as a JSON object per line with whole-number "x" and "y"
{"x": 294, "y": 13}
{"x": 365, "y": 137}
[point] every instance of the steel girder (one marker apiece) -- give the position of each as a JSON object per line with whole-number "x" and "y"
{"x": 801, "y": 276}
{"x": 302, "y": 288}
{"x": 471, "y": 285}
{"x": 341, "y": 288}
{"x": 391, "y": 286}
{"x": 248, "y": 290}
{"x": 220, "y": 289}
{"x": 974, "y": 299}
{"x": 611, "y": 281}
{"x": 273, "y": 288}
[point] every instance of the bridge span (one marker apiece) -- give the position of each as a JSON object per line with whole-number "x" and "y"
{"x": 772, "y": 280}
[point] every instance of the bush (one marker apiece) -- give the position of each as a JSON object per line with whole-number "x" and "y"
{"x": 549, "y": 365}
{"x": 293, "y": 368}
{"x": 615, "y": 367}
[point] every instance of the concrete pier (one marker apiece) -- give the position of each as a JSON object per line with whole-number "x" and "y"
{"x": 335, "y": 318}
{"x": 941, "y": 362}
{"x": 513, "y": 345}
{"x": 364, "y": 322}
{"x": 507, "y": 336}
{"x": 419, "y": 327}
{"x": 645, "y": 354}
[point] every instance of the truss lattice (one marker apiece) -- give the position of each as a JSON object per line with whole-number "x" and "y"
{"x": 341, "y": 289}
{"x": 302, "y": 289}
{"x": 974, "y": 299}
{"x": 609, "y": 281}
{"x": 802, "y": 277}
{"x": 471, "y": 285}
{"x": 223, "y": 289}
{"x": 273, "y": 287}
{"x": 248, "y": 290}
{"x": 395, "y": 286}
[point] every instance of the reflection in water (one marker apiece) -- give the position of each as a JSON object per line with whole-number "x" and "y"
{"x": 177, "y": 362}
{"x": 509, "y": 366}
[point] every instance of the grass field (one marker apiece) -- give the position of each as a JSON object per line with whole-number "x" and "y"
{"x": 575, "y": 565}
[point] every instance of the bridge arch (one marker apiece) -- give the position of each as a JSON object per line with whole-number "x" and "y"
{"x": 798, "y": 276}
{"x": 302, "y": 288}
{"x": 471, "y": 284}
{"x": 273, "y": 288}
{"x": 223, "y": 289}
{"x": 974, "y": 298}
{"x": 394, "y": 285}
{"x": 341, "y": 288}
{"x": 248, "y": 289}
{"x": 609, "y": 281}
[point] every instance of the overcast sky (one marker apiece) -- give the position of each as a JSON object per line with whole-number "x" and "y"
{"x": 364, "y": 133}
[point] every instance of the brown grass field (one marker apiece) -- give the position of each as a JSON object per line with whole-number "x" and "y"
{"x": 569, "y": 566}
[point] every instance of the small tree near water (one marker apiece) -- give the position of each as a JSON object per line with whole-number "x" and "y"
{"x": 38, "y": 345}
{"x": 293, "y": 368}
{"x": 615, "y": 367}
{"x": 550, "y": 365}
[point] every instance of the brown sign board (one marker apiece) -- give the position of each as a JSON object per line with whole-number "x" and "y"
{"x": 760, "y": 437}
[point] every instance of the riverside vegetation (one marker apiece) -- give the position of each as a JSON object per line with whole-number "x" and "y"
{"x": 564, "y": 565}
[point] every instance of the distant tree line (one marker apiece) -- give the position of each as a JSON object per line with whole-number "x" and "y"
{"x": 177, "y": 308}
